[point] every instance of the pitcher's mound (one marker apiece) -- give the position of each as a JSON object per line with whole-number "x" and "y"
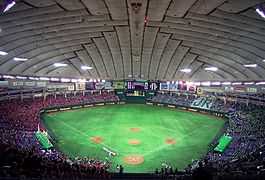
{"x": 135, "y": 129}
{"x": 170, "y": 141}
{"x": 134, "y": 142}
{"x": 133, "y": 159}
{"x": 96, "y": 139}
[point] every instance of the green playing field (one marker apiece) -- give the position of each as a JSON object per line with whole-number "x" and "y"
{"x": 143, "y": 136}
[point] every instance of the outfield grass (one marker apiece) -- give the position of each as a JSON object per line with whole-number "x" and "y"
{"x": 192, "y": 133}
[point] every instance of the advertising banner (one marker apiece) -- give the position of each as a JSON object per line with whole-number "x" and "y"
{"x": 16, "y": 83}
{"x": 41, "y": 84}
{"x": 118, "y": 84}
{"x": 240, "y": 89}
{"x": 182, "y": 86}
{"x": 108, "y": 85}
{"x": 201, "y": 90}
{"x": 80, "y": 86}
{"x": 137, "y": 85}
{"x": 3, "y": 83}
{"x": 164, "y": 86}
{"x": 251, "y": 90}
{"x": 71, "y": 87}
{"x": 173, "y": 86}
{"x": 203, "y": 103}
{"x": 99, "y": 85}
{"x": 191, "y": 88}
{"x": 30, "y": 83}
{"x": 153, "y": 86}
{"x": 90, "y": 85}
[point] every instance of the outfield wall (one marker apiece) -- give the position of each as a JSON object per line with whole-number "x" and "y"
{"x": 188, "y": 108}
{"x": 78, "y": 106}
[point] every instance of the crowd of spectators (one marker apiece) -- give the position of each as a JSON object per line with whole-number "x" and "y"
{"x": 174, "y": 99}
{"x": 246, "y": 125}
{"x": 20, "y": 152}
{"x": 30, "y": 163}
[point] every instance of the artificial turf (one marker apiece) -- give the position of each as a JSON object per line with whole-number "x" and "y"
{"x": 192, "y": 133}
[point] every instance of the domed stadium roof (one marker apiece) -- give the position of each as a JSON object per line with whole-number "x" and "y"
{"x": 120, "y": 39}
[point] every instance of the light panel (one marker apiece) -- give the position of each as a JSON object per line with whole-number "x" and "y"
{"x": 260, "y": 12}
{"x": 55, "y": 79}
{"x": 34, "y": 78}
{"x": 260, "y": 83}
{"x": 21, "y": 77}
{"x": 19, "y": 59}
{"x": 8, "y": 77}
{"x": 237, "y": 83}
{"x": 2, "y": 53}
{"x": 186, "y": 70}
{"x": 86, "y": 67}
{"x": 211, "y": 69}
{"x": 65, "y": 80}
{"x": 9, "y": 6}
{"x": 197, "y": 83}
{"x": 206, "y": 83}
{"x": 60, "y": 64}
{"x": 216, "y": 83}
{"x": 248, "y": 83}
{"x": 250, "y": 65}
{"x": 82, "y": 80}
{"x": 44, "y": 78}
{"x": 226, "y": 83}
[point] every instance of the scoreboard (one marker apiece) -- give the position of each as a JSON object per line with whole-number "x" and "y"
{"x": 142, "y": 85}
{"x": 137, "y": 85}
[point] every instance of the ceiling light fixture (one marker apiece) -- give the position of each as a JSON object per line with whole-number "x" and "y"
{"x": 216, "y": 83}
{"x": 226, "y": 83}
{"x": 21, "y": 77}
{"x": 9, "y": 5}
{"x": 186, "y": 70}
{"x": 8, "y": 77}
{"x": 211, "y": 69}
{"x": 250, "y": 65}
{"x": 65, "y": 80}
{"x": 44, "y": 78}
{"x": 19, "y": 59}
{"x": 260, "y": 11}
{"x": 55, "y": 79}
{"x": 237, "y": 83}
{"x": 2, "y": 53}
{"x": 248, "y": 83}
{"x": 59, "y": 64}
{"x": 86, "y": 67}
{"x": 190, "y": 83}
{"x": 74, "y": 80}
{"x": 260, "y": 83}
{"x": 82, "y": 80}
{"x": 206, "y": 83}
{"x": 34, "y": 78}
{"x": 197, "y": 83}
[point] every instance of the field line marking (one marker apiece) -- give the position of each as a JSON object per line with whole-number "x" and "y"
{"x": 156, "y": 149}
{"x": 84, "y": 135}
{"x": 166, "y": 145}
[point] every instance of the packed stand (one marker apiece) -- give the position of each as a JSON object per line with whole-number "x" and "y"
{"x": 27, "y": 163}
{"x": 174, "y": 99}
{"x": 246, "y": 125}
{"x": 20, "y": 151}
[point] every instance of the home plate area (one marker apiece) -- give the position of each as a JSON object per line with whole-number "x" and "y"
{"x": 135, "y": 159}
